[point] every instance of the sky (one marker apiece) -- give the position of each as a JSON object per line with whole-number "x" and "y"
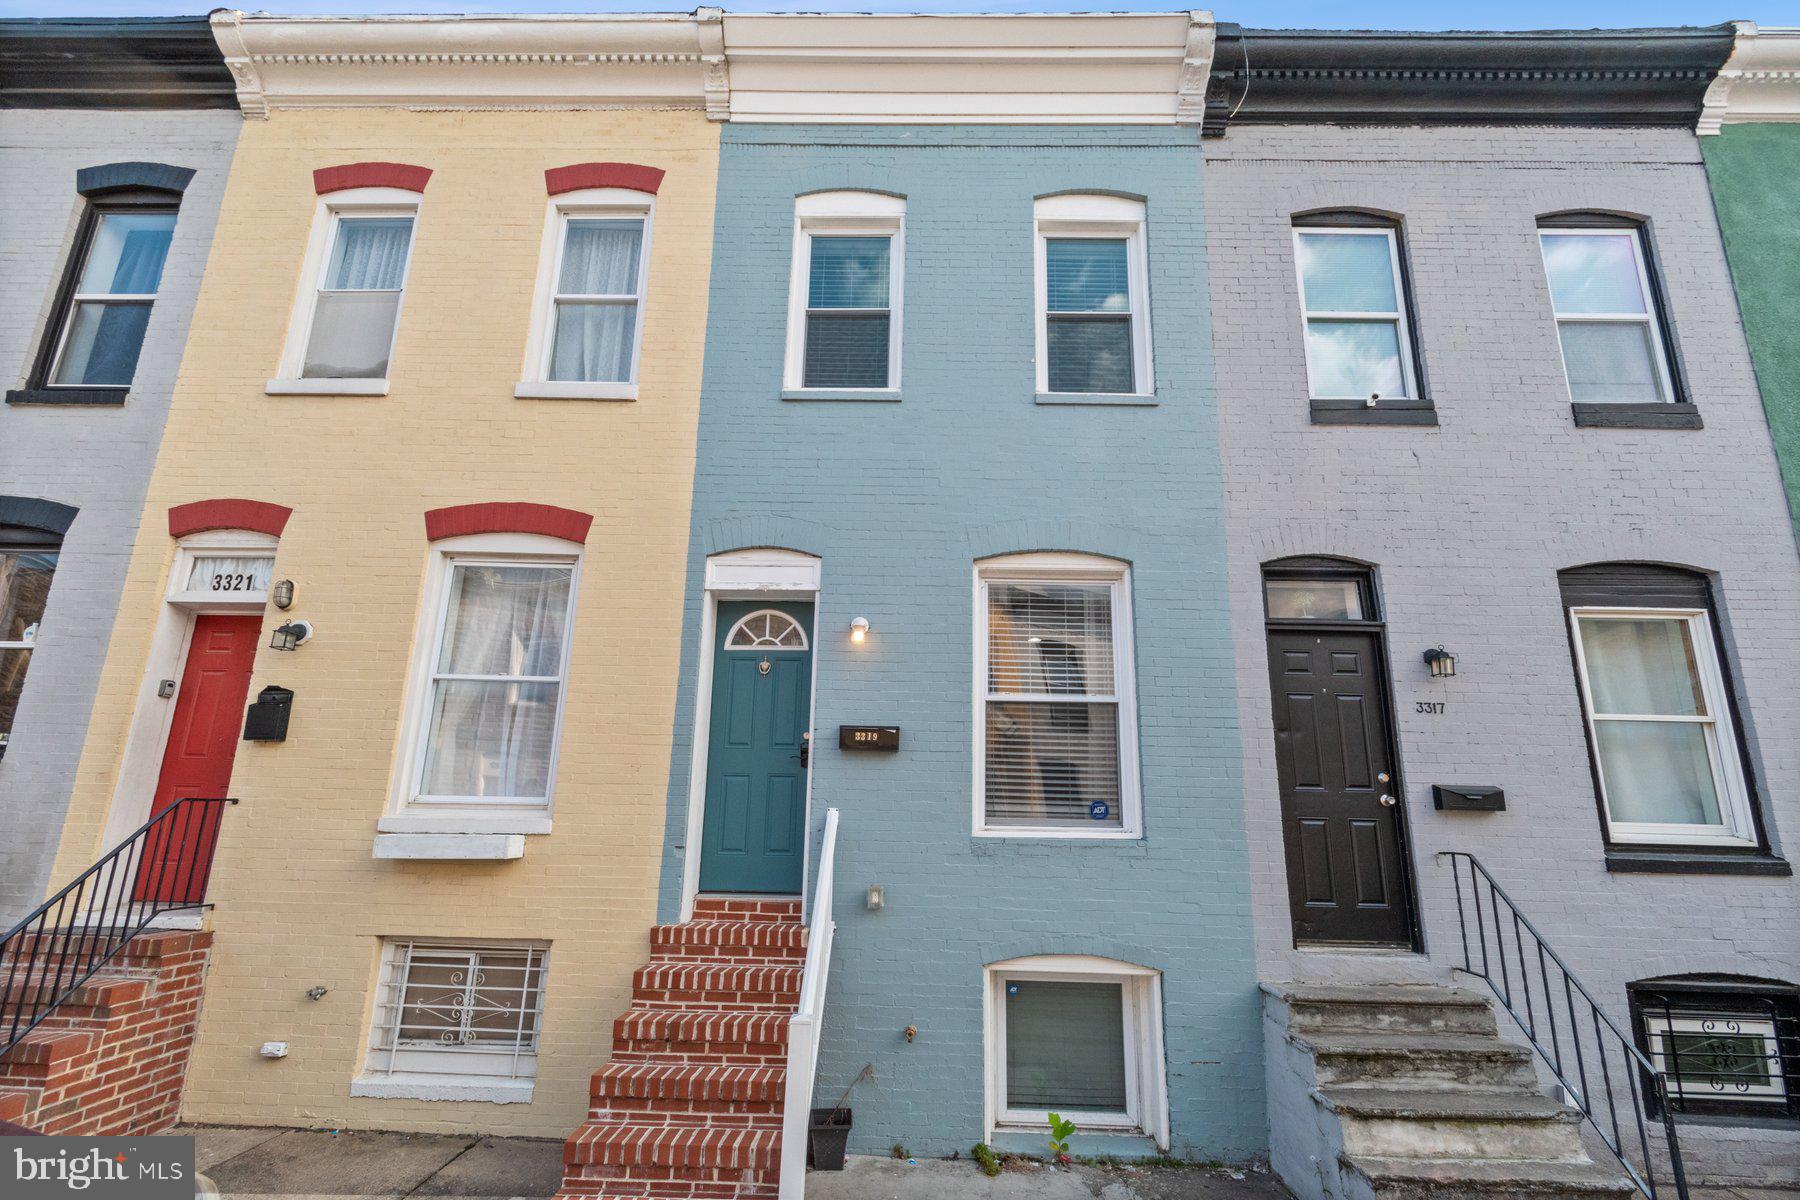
{"x": 1291, "y": 14}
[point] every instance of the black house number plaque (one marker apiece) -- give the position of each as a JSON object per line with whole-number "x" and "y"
{"x": 869, "y": 737}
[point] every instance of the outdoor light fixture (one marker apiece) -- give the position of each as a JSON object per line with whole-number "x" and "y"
{"x": 291, "y": 635}
{"x": 282, "y": 594}
{"x": 859, "y": 629}
{"x": 877, "y": 897}
{"x": 1441, "y": 662}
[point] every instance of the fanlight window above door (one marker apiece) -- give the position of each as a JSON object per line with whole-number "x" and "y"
{"x": 766, "y": 629}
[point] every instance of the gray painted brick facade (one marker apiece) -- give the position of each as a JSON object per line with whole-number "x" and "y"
{"x": 1467, "y": 525}
{"x": 96, "y": 459}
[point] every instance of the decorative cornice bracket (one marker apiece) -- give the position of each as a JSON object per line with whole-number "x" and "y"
{"x": 228, "y": 31}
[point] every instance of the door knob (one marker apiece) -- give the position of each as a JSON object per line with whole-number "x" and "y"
{"x": 1388, "y": 801}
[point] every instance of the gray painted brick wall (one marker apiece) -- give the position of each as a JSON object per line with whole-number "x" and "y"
{"x": 1469, "y": 523}
{"x": 95, "y": 459}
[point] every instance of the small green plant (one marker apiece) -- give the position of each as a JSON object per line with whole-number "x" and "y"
{"x": 897, "y": 1150}
{"x": 983, "y": 1155}
{"x": 1061, "y": 1130}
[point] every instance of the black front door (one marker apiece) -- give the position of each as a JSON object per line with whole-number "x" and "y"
{"x": 1340, "y": 818}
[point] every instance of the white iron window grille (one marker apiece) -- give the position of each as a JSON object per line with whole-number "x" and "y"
{"x": 1718, "y": 1056}
{"x": 459, "y": 1010}
{"x": 766, "y": 629}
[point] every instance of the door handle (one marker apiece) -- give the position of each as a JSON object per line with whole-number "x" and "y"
{"x": 1388, "y": 801}
{"x": 805, "y": 755}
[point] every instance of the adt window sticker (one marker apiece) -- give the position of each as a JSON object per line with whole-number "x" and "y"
{"x": 97, "y": 1168}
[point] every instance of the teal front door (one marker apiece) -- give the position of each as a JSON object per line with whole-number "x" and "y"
{"x": 754, "y": 838}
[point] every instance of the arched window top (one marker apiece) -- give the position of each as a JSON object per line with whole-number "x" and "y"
{"x": 850, "y": 202}
{"x": 766, "y": 629}
{"x": 110, "y": 179}
{"x": 1089, "y": 206}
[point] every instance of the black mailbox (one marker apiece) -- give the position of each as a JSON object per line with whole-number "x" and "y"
{"x": 1468, "y": 797}
{"x": 267, "y": 719}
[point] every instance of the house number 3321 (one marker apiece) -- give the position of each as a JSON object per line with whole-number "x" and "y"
{"x": 232, "y": 583}
{"x": 1428, "y": 706}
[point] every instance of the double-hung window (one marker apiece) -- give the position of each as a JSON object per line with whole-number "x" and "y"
{"x": 1056, "y": 737}
{"x": 1093, "y": 311}
{"x": 1607, "y": 313}
{"x": 455, "y": 1021}
{"x": 27, "y": 565}
{"x": 844, "y": 302}
{"x": 588, "y": 325}
{"x": 492, "y": 707}
{"x": 104, "y": 321}
{"x": 1667, "y": 755}
{"x": 347, "y": 313}
{"x": 1354, "y": 306}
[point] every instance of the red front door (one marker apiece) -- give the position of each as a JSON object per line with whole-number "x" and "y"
{"x": 203, "y": 737}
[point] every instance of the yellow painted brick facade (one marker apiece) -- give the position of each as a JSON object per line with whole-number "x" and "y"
{"x": 300, "y": 901}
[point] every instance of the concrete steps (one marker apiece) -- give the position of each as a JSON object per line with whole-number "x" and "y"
{"x": 1408, "y": 1092}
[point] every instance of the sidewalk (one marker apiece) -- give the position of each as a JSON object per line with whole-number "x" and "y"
{"x": 940, "y": 1179}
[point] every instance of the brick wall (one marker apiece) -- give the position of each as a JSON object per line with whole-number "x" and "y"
{"x": 113, "y": 1060}
{"x": 899, "y": 500}
{"x": 97, "y": 460}
{"x": 1467, "y": 525}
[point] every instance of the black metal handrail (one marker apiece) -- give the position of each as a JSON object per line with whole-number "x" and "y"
{"x": 1583, "y": 1046}
{"x": 162, "y": 867}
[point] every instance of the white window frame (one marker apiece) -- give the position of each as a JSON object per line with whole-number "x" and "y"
{"x": 1408, "y": 377}
{"x": 1729, "y": 783}
{"x": 393, "y": 1071}
{"x": 331, "y": 210}
{"x": 844, "y": 214}
{"x": 465, "y": 814}
{"x": 540, "y": 346}
{"x": 1651, "y": 316}
{"x": 1146, "y": 1078}
{"x": 1047, "y": 567}
{"x": 1693, "y": 1021}
{"x": 1095, "y": 216}
{"x": 77, "y": 298}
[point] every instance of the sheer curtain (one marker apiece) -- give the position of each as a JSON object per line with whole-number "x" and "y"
{"x": 1655, "y": 771}
{"x": 498, "y": 683}
{"x": 353, "y": 320}
{"x": 593, "y": 338}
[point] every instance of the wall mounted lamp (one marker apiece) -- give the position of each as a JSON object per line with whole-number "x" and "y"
{"x": 282, "y": 594}
{"x": 291, "y": 635}
{"x": 1441, "y": 662}
{"x": 859, "y": 630}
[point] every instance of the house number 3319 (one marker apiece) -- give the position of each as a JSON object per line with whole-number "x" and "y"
{"x": 1429, "y": 706}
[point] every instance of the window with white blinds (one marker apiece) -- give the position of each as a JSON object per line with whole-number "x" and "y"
{"x": 844, "y": 301}
{"x": 1056, "y": 733}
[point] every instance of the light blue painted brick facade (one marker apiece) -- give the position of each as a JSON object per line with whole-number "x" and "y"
{"x": 899, "y": 500}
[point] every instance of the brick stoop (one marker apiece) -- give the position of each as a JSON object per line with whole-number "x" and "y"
{"x": 111, "y": 1060}
{"x": 689, "y": 1107}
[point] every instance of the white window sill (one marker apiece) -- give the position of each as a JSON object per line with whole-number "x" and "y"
{"x": 560, "y": 390}
{"x": 420, "y": 1086}
{"x": 326, "y": 387}
{"x": 867, "y": 395}
{"x": 535, "y": 821}
{"x": 1100, "y": 399}
{"x": 1060, "y": 833}
{"x": 448, "y": 847}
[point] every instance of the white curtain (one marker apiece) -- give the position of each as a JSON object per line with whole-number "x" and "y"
{"x": 491, "y": 737}
{"x": 370, "y": 254}
{"x": 593, "y": 339}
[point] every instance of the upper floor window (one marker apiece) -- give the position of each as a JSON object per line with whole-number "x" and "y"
{"x": 1608, "y": 314}
{"x": 1093, "y": 313}
{"x": 1353, "y": 301}
{"x": 588, "y": 326}
{"x": 353, "y": 282}
{"x": 844, "y": 303}
{"x": 489, "y": 707}
{"x": 1667, "y": 754}
{"x": 1056, "y": 742}
{"x": 27, "y": 564}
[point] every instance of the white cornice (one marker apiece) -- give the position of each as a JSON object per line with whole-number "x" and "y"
{"x": 1113, "y": 68}
{"x": 479, "y": 62}
{"x": 1759, "y": 82}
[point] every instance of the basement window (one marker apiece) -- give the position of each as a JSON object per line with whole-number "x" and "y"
{"x": 455, "y": 1022}
{"x": 1078, "y": 1036}
{"x": 1728, "y": 1046}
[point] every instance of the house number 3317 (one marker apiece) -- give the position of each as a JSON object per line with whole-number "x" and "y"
{"x": 1429, "y": 706}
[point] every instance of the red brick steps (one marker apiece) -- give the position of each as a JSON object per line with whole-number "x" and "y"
{"x": 689, "y": 1108}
